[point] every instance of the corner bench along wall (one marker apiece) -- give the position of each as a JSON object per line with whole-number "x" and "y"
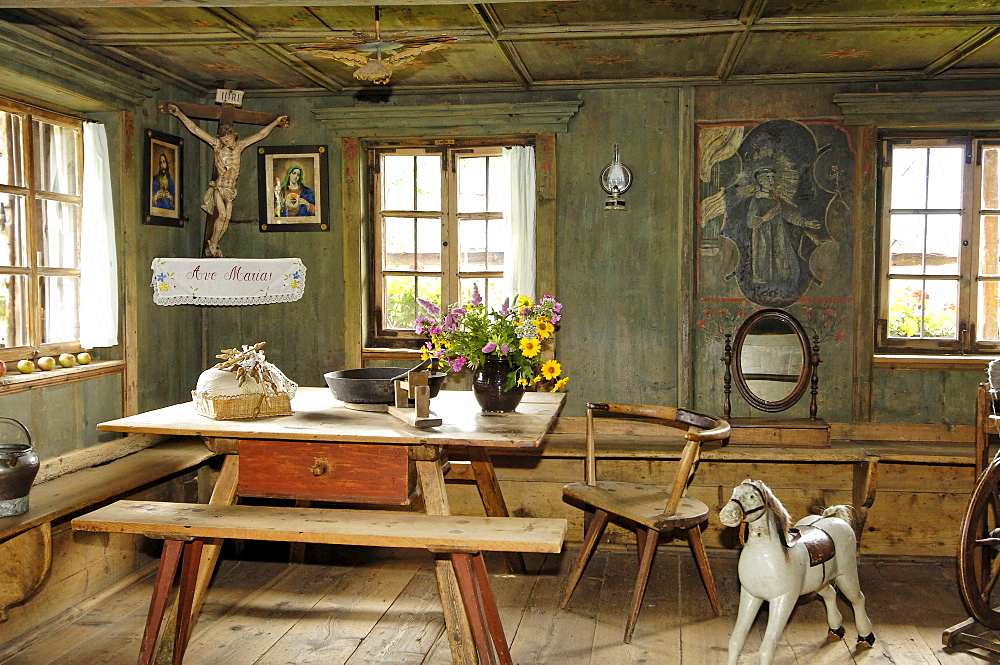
{"x": 27, "y": 557}
{"x": 895, "y": 470}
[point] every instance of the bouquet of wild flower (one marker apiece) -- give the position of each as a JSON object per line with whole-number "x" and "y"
{"x": 467, "y": 335}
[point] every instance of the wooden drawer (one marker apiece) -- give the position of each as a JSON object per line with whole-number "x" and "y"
{"x": 343, "y": 472}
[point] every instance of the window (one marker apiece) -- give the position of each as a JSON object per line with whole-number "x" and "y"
{"x": 441, "y": 223}
{"x": 940, "y": 245}
{"x": 40, "y": 200}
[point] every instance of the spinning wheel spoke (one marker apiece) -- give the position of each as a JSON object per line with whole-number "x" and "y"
{"x": 994, "y": 574}
{"x": 978, "y": 559}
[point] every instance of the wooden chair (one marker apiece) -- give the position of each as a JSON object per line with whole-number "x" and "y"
{"x": 650, "y": 509}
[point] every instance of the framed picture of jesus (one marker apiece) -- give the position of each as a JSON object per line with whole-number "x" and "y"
{"x": 293, "y": 182}
{"x": 163, "y": 180}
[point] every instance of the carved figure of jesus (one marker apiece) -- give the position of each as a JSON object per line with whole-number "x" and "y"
{"x": 219, "y": 196}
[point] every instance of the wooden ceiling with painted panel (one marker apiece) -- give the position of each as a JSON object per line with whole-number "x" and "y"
{"x": 527, "y": 45}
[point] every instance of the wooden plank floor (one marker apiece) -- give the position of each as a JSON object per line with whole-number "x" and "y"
{"x": 381, "y": 606}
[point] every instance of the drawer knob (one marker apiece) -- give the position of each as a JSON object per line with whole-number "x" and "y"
{"x": 320, "y": 468}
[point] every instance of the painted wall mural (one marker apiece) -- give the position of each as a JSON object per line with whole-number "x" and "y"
{"x": 775, "y": 212}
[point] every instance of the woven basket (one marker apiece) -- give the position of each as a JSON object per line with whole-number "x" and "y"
{"x": 243, "y": 407}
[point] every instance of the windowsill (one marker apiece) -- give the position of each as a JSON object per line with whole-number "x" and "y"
{"x": 14, "y": 381}
{"x": 371, "y": 353}
{"x": 931, "y": 362}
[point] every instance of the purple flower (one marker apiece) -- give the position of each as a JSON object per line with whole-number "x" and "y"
{"x": 556, "y": 317}
{"x": 557, "y": 307}
{"x": 458, "y": 311}
{"x": 429, "y": 306}
{"x": 449, "y": 321}
{"x": 505, "y": 308}
{"x": 490, "y": 347}
{"x": 436, "y": 330}
{"x": 476, "y": 298}
{"x": 505, "y": 348}
{"x": 525, "y": 311}
{"x": 457, "y": 363}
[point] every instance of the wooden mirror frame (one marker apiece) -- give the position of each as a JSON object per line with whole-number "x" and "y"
{"x": 808, "y": 376}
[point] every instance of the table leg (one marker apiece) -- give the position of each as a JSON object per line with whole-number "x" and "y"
{"x": 489, "y": 492}
{"x": 223, "y": 494}
{"x": 463, "y": 651}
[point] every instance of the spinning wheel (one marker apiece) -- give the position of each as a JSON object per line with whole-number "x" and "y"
{"x": 979, "y": 544}
{"x": 979, "y": 549}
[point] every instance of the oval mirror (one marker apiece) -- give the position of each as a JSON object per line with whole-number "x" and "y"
{"x": 771, "y": 367}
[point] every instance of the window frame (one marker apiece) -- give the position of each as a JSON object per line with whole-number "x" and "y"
{"x": 376, "y": 334}
{"x": 32, "y": 193}
{"x": 968, "y": 278}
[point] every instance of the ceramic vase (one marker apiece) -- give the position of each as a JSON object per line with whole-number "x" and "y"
{"x": 489, "y": 385}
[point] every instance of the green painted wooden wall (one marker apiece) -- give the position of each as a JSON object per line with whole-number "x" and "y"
{"x": 630, "y": 331}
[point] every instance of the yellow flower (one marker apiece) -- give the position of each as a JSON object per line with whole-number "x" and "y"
{"x": 295, "y": 284}
{"x": 424, "y": 353}
{"x": 523, "y": 301}
{"x": 522, "y": 382}
{"x": 545, "y": 329}
{"x": 551, "y": 369}
{"x": 163, "y": 287}
{"x": 530, "y": 347}
{"x": 560, "y": 384}
{"x": 535, "y": 380}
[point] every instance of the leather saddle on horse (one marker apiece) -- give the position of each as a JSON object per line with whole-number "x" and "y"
{"x": 818, "y": 543}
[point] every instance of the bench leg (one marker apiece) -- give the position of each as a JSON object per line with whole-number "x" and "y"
{"x": 158, "y": 604}
{"x": 481, "y": 607}
{"x": 492, "y": 613}
{"x": 185, "y": 597}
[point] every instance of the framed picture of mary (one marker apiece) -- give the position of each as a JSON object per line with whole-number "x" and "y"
{"x": 163, "y": 180}
{"x": 293, "y": 182}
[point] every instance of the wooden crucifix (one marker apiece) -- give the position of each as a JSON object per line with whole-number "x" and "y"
{"x": 218, "y": 199}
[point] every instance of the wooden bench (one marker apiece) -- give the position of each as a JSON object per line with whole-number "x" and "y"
{"x": 78, "y": 481}
{"x": 184, "y": 527}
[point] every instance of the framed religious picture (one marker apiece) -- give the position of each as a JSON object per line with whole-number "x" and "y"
{"x": 163, "y": 180}
{"x": 293, "y": 184}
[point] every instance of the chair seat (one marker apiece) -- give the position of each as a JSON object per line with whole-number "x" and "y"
{"x": 643, "y": 504}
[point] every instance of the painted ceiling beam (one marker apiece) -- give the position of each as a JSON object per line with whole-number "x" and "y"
{"x": 962, "y": 51}
{"x": 290, "y": 60}
{"x": 809, "y": 23}
{"x": 172, "y": 4}
{"x": 750, "y": 13}
{"x": 492, "y": 24}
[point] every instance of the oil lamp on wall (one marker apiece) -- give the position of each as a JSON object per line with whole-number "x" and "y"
{"x": 616, "y": 178}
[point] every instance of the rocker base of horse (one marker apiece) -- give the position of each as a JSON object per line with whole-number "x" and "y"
{"x": 780, "y": 562}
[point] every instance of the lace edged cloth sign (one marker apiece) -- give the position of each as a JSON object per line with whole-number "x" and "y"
{"x": 227, "y": 281}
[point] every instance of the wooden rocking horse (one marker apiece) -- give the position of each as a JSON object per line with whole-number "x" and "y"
{"x": 781, "y": 562}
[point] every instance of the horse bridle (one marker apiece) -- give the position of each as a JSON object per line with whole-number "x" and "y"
{"x": 760, "y": 494}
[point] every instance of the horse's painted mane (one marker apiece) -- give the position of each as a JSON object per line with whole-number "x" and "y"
{"x": 781, "y": 516}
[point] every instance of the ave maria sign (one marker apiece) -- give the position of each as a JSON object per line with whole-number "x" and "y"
{"x": 227, "y": 281}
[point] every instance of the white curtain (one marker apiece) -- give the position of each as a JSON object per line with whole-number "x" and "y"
{"x": 522, "y": 219}
{"x": 99, "y": 259}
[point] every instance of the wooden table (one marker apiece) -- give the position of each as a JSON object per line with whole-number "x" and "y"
{"x": 325, "y": 451}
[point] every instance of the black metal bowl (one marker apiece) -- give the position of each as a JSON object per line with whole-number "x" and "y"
{"x": 372, "y": 385}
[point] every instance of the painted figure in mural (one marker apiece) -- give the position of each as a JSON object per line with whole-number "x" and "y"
{"x": 766, "y": 207}
{"x": 228, "y": 147}
{"x": 163, "y": 194}
{"x": 773, "y": 253}
{"x": 293, "y": 197}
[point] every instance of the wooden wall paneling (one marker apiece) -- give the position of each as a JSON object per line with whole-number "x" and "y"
{"x": 865, "y": 280}
{"x": 353, "y": 169}
{"x": 546, "y": 215}
{"x": 617, "y": 272}
{"x": 685, "y": 169}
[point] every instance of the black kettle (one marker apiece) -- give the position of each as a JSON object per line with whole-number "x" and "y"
{"x": 18, "y": 467}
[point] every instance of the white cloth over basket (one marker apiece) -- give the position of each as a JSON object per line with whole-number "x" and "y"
{"x": 178, "y": 281}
